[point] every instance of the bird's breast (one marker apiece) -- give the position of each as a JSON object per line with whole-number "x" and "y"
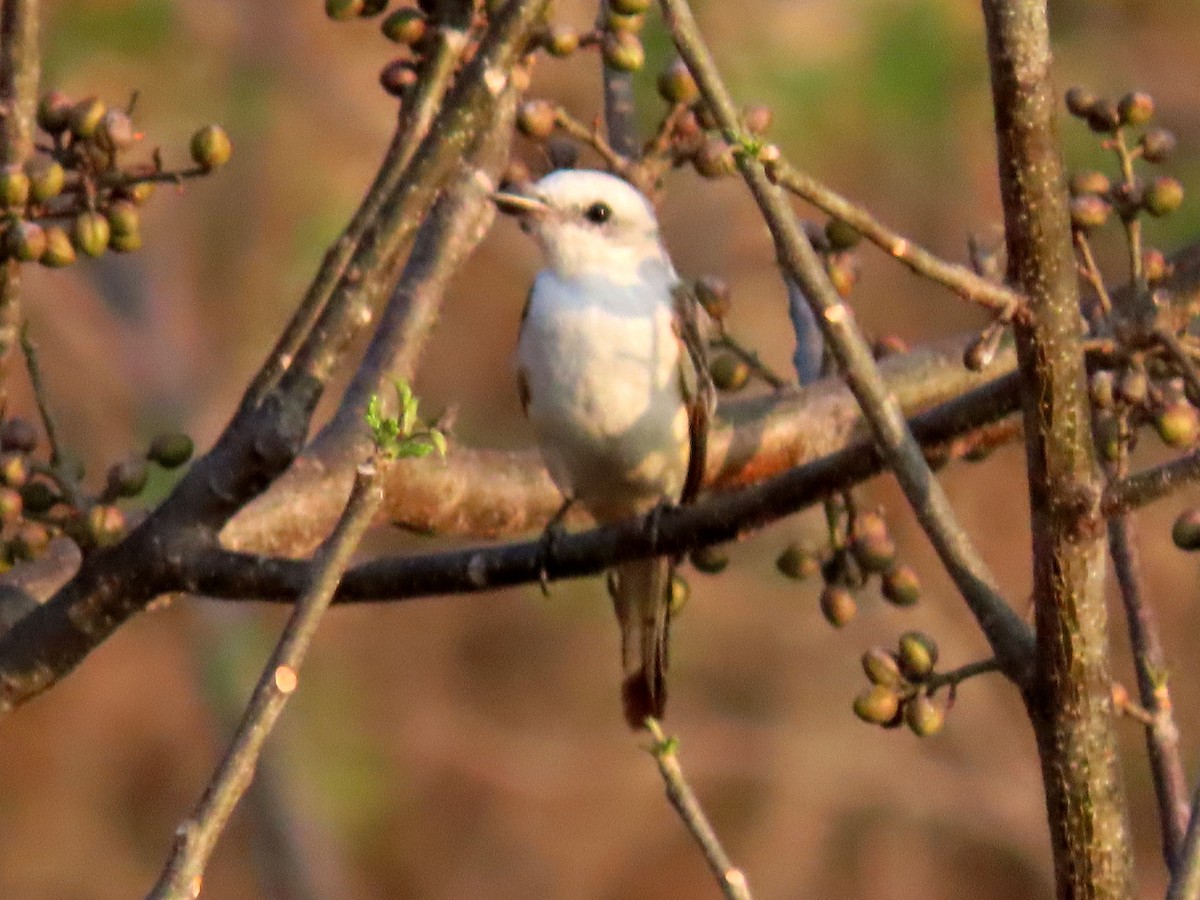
{"x": 600, "y": 362}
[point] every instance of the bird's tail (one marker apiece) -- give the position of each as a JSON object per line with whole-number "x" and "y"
{"x": 641, "y": 597}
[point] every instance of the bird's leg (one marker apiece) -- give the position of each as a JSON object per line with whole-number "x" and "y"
{"x": 546, "y": 545}
{"x": 654, "y": 519}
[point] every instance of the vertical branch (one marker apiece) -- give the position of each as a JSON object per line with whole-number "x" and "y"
{"x": 1070, "y": 702}
{"x": 1162, "y": 735}
{"x": 20, "y": 69}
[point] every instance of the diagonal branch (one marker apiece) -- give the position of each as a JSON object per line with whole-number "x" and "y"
{"x": 1003, "y": 628}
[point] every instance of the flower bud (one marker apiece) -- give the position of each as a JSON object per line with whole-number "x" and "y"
{"x": 981, "y": 352}
{"x": 900, "y": 586}
{"x": 715, "y": 159}
{"x": 14, "y": 468}
{"x": 714, "y": 295}
{"x": 30, "y": 541}
{"x": 14, "y": 187}
{"x": 11, "y": 507}
{"x": 1103, "y": 117}
{"x": 46, "y": 178}
{"x": 924, "y": 716}
{"x": 170, "y": 449}
{"x": 1102, "y": 387}
{"x": 38, "y": 496}
{"x": 1163, "y": 196}
{"x": 615, "y": 22}
{"x": 26, "y": 241}
{"x": 86, "y": 116}
{"x": 90, "y": 233}
{"x": 1089, "y": 181}
{"x": 54, "y": 112}
{"x": 105, "y": 525}
{"x": 128, "y": 477}
{"x": 126, "y": 242}
{"x": 837, "y": 605}
{"x": 397, "y": 77}
{"x": 871, "y": 543}
{"x": 1089, "y": 211}
{"x": 373, "y": 8}
{"x": 562, "y": 41}
{"x": 405, "y": 26}
{"x": 795, "y": 562}
{"x": 877, "y": 705}
{"x": 211, "y": 147}
{"x": 139, "y": 191}
{"x": 729, "y": 373}
{"x": 1157, "y": 145}
{"x": 1155, "y": 265}
{"x": 888, "y": 345}
{"x": 123, "y": 217}
{"x": 629, "y": 7}
{"x": 623, "y": 51}
{"x": 841, "y": 234}
{"x": 341, "y": 10}
{"x": 676, "y": 84}
{"x": 535, "y": 119}
{"x": 881, "y": 667}
{"x": 1186, "y": 530}
{"x": 1178, "y": 424}
{"x": 1080, "y": 101}
{"x": 59, "y": 251}
{"x": 115, "y": 131}
{"x": 1136, "y": 108}
{"x": 918, "y": 655}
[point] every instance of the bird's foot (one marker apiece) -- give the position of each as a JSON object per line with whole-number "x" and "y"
{"x": 654, "y": 519}
{"x": 547, "y": 545}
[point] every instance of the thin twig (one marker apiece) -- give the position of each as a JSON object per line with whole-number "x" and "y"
{"x": 39, "y": 395}
{"x": 1092, "y": 273}
{"x": 620, "y": 108}
{"x": 1001, "y": 300}
{"x": 182, "y": 876}
{"x": 1185, "y": 883}
{"x": 1006, "y": 633}
{"x": 955, "y": 677}
{"x": 594, "y": 138}
{"x": 1149, "y": 485}
{"x": 665, "y": 751}
{"x": 1150, "y": 662}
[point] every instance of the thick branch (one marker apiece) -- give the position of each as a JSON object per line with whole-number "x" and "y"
{"x": 713, "y": 519}
{"x": 1070, "y": 703}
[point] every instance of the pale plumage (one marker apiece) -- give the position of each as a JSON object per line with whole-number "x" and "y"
{"x": 606, "y": 381}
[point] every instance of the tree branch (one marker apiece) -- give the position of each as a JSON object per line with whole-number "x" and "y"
{"x": 195, "y": 839}
{"x": 1070, "y": 702}
{"x": 1004, "y": 630}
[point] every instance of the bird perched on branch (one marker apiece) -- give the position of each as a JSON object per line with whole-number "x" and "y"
{"x": 610, "y": 371}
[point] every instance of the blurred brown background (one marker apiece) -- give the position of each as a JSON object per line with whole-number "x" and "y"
{"x": 473, "y": 747}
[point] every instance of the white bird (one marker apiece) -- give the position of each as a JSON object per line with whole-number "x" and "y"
{"x": 610, "y": 371}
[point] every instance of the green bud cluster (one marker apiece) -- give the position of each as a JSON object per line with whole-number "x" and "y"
{"x": 79, "y": 195}
{"x": 1093, "y": 197}
{"x": 900, "y": 689}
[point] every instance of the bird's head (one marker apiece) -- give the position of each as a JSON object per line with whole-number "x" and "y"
{"x": 588, "y": 223}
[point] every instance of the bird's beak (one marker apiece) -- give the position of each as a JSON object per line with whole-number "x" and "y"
{"x": 519, "y": 205}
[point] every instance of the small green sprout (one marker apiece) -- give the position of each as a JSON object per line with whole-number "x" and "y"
{"x": 402, "y": 436}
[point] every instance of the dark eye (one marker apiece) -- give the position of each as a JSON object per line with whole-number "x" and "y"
{"x": 599, "y": 213}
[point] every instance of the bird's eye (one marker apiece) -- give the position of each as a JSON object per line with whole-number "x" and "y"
{"x": 598, "y": 213}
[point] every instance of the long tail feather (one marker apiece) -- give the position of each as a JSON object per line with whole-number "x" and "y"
{"x": 640, "y": 592}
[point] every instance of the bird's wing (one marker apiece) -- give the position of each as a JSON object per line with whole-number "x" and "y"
{"x": 699, "y": 393}
{"x": 522, "y": 377}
